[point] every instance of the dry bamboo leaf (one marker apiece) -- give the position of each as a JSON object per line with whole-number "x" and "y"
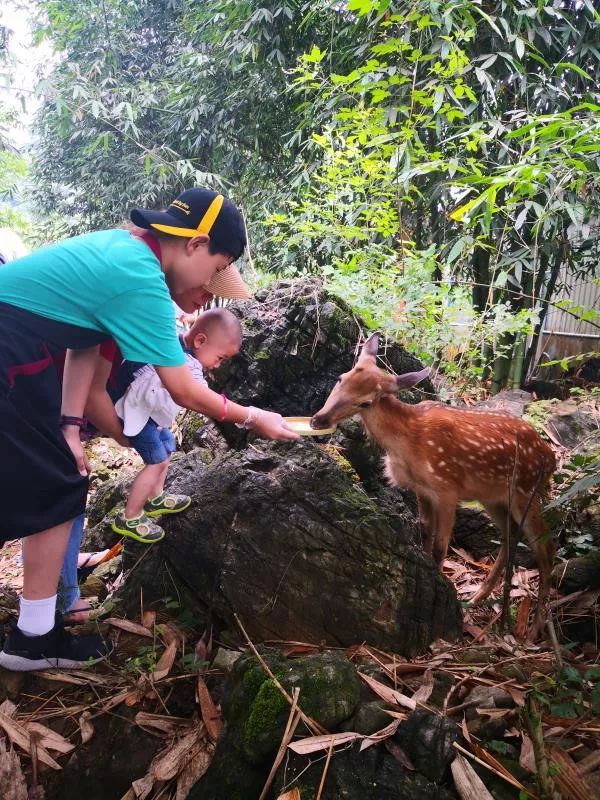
{"x": 85, "y": 726}
{"x": 424, "y": 691}
{"x": 171, "y": 760}
{"x": 387, "y": 693}
{"x": 313, "y": 744}
{"x": 171, "y": 633}
{"x": 19, "y": 735}
{"x": 133, "y": 698}
{"x": 113, "y": 701}
{"x": 165, "y": 662}
{"x": 49, "y": 739}
{"x": 527, "y": 756}
{"x": 293, "y": 794}
{"x": 518, "y": 695}
{"x": 195, "y": 768}
{"x": 142, "y": 787}
{"x": 522, "y": 622}
{"x": 8, "y": 708}
{"x": 67, "y": 677}
{"x": 159, "y": 724}
{"x": 12, "y": 780}
{"x": 149, "y": 619}
{"x": 571, "y": 785}
{"x": 399, "y": 754}
{"x": 380, "y": 736}
{"x": 203, "y": 649}
{"x": 130, "y": 627}
{"x": 210, "y": 714}
{"x": 467, "y": 782}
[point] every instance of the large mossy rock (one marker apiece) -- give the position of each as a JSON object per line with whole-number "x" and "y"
{"x": 257, "y": 712}
{"x": 286, "y": 538}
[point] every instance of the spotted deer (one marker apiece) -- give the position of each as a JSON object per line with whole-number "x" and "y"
{"x": 446, "y": 455}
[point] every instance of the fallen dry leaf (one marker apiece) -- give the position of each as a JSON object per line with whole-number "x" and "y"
{"x": 203, "y": 649}
{"x": 387, "y": 693}
{"x": 467, "y": 782}
{"x": 49, "y": 739}
{"x": 19, "y": 735}
{"x": 171, "y": 760}
{"x": 527, "y": 757}
{"x": 149, "y": 619}
{"x": 195, "y": 768}
{"x": 210, "y": 714}
{"x": 380, "y": 736}
{"x": 162, "y": 725}
{"x": 165, "y": 662}
{"x": 293, "y": 794}
{"x": 424, "y": 691}
{"x": 12, "y": 779}
{"x": 313, "y": 744}
{"x": 399, "y": 754}
{"x": 86, "y": 727}
{"x": 130, "y": 627}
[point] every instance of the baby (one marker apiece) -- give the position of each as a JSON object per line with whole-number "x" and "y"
{"x": 147, "y": 410}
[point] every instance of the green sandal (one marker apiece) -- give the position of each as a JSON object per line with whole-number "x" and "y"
{"x": 166, "y": 504}
{"x": 139, "y": 528}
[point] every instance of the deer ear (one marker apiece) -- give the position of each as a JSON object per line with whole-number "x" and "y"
{"x": 410, "y": 379}
{"x": 370, "y": 347}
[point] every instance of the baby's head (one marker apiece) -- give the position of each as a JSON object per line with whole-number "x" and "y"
{"x": 214, "y": 337}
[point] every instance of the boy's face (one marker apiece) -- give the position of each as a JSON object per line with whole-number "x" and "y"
{"x": 211, "y": 351}
{"x": 192, "y": 300}
{"x": 193, "y": 265}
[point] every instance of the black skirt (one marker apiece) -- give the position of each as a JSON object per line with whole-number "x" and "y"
{"x": 39, "y": 482}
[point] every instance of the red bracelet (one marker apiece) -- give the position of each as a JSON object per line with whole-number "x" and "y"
{"x": 225, "y": 404}
{"x": 78, "y": 422}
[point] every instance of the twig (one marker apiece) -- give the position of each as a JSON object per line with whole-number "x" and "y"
{"x": 325, "y": 768}
{"x": 311, "y": 724}
{"x": 554, "y": 639}
{"x": 534, "y": 727}
{"x": 290, "y": 728}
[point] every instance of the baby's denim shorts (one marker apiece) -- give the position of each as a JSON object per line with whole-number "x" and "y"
{"x": 154, "y": 445}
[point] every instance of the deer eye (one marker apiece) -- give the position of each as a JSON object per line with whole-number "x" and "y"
{"x": 366, "y": 404}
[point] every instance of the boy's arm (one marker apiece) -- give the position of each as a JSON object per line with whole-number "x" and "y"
{"x": 80, "y": 366}
{"x": 188, "y": 393}
{"x": 100, "y": 409}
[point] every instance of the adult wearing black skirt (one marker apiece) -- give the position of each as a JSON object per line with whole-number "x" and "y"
{"x": 74, "y": 295}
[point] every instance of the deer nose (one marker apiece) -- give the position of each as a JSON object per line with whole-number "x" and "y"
{"x": 318, "y": 420}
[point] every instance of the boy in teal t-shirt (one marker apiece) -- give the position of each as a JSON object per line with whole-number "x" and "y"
{"x": 74, "y": 295}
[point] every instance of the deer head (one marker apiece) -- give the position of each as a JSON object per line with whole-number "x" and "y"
{"x": 363, "y": 387}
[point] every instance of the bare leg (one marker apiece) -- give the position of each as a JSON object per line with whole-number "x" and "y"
{"x": 148, "y": 483}
{"x": 43, "y": 556}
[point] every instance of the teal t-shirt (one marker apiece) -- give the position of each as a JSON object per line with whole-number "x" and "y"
{"x": 106, "y": 281}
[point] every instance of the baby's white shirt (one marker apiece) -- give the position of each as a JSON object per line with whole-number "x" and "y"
{"x": 146, "y": 398}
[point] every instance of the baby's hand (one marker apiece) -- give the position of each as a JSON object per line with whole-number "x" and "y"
{"x": 273, "y": 426}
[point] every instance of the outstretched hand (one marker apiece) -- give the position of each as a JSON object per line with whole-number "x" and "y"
{"x": 273, "y": 426}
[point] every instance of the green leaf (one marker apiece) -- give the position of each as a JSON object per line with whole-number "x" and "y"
{"x": 564, "y": 65}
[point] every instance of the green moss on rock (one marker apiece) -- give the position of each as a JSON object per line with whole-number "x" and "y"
{"x": 256, "y": 711}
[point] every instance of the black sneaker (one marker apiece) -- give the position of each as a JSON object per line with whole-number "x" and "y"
{"x": 57, "y": 648}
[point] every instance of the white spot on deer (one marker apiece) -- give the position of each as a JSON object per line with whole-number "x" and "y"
{"x": 430, "y": 468}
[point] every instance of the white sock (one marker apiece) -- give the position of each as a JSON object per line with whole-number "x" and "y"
{"x": 37, "y": 616}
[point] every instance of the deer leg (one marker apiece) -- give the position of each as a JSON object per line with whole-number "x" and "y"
{"x": 542, "y": 545}
{"x": 445, "y": 513}
{"x": 427, "y": 520}
{"x": 501, "y": 518}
